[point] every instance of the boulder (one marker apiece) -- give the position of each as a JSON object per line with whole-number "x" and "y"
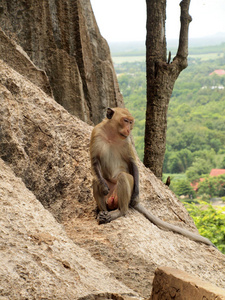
{"x": 175, "y": 284}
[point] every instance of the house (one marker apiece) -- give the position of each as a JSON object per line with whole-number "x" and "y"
{"x": 214, "y": 172}
{"x": 195, "y": 184}
{"x": 217, "y": 172}
{"x": 218, "y": 72}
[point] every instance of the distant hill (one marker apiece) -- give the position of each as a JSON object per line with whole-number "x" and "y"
{"x": 138, "y": 48}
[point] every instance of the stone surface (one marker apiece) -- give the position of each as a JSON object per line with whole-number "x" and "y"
{"x": 48, "y": 149}
{"x": 38, "y": 260}
{"x": 17, "y": 58}
{"x": 175, "y": 284}
{"x": 63, "y": 39}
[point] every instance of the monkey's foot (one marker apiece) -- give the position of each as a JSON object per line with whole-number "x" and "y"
{"x": 104, "y": 217}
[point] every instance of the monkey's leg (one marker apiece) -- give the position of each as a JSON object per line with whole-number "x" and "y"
{"x": 125, "y": 184}
{"x": 98, "y": 195}
{"x": 124, "y": 188}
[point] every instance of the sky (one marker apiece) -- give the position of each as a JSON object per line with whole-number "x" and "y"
{"x": 125, "y": 20}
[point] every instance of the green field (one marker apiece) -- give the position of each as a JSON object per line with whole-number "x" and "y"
{"x": 206, "y": 56}
{"x": 122, "y": 59}
{"x": 130, "y": 59}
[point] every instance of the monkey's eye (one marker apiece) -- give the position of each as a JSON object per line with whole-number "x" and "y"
{"x": 128, "y": 121}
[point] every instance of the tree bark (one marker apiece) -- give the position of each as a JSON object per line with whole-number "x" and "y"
{"x": 161, "y": 77}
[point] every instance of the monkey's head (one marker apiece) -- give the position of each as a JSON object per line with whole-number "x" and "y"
{"x": 121, "y": 120}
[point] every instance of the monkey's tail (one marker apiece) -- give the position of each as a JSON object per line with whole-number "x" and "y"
{"x": 164, "y": 225}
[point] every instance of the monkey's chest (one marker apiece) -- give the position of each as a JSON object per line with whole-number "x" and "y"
{"x": 112, "y": 161}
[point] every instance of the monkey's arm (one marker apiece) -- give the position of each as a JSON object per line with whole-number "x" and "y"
{"x": 96, "y": 168}
{"x": 135, "y": 173}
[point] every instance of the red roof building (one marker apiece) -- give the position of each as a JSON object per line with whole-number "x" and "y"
{"x": 214, "y": 172}
{"x": 195, "y": 185}
{"x": 217, "y": 172}
{"x": 218, "y": 72}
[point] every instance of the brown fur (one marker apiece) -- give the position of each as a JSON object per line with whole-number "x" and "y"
{"x": 111, "y": 155}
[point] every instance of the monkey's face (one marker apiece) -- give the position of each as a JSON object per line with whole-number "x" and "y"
{"x": 126, "y": 125}
{"x": 120, "y": 121}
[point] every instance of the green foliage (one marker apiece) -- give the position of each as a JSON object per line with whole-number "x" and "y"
{"x": 210, "y": 222}
{"x": 177, "y": 162}
{"x": 182, "y": 187}
{"x": 213, "y": 186}
{"x": 197, "y": 169}
{"x": 196, "y": 113}
{"x": 223, "y": 163}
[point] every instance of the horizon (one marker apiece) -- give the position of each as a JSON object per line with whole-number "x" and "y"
{"x": 124, "y": 21}
{"x": 208, "y": 41}
{"x": 213, "y": 36}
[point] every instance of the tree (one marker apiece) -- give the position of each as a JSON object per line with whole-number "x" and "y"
{"x": 161, "y": 77}
{"x": 213, "y": 186}
{"x": 199, "y": 167}
{"x": 223, "y": 163}
{"x": 183, "y": 187}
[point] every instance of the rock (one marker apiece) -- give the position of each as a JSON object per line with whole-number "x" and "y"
{"x": 48, "y": 149}
{"x": 63, "y": 39}
{"x": 175, "y": 284}
{"x": 38, "y": 260}
{"x": 17, "y": 58}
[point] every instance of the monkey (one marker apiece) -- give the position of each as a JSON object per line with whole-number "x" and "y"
{"x": 115, "y": 172}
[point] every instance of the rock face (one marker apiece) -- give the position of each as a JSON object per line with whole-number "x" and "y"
{"x": 174, "y": 284}
{"x": 47, "y": 148}
{"x": 18, "y": 59}
{"x": 62, "y": 38}
{"x": 38, "y": 260}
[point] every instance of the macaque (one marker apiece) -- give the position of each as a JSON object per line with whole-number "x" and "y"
{"x": 115, "y": 172}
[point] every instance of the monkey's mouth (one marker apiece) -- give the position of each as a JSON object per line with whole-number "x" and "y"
{"x": 123, "y": 135}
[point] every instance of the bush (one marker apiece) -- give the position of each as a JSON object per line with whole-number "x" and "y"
{"x": 213, "y": 186}
{"x": 209, "y": 221}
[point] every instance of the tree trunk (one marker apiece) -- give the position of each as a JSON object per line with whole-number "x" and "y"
{"x": 161, "y": 77}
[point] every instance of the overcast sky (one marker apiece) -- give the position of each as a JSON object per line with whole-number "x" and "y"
{"x": 125, "y": 20}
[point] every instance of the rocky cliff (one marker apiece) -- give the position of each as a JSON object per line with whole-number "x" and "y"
{"x": 62, "y": 38}
{"x": 51, "y": 245}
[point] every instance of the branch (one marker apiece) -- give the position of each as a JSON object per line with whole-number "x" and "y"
{"x": 185, "y": 20}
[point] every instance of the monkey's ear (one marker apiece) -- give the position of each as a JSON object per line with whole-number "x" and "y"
{"x": 110, "y": 113}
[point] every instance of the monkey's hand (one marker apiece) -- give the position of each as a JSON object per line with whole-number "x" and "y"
{"x": 104, "y": 217}
{"x": 104, "y": 189}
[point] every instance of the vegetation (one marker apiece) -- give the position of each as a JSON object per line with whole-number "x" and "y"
{"x": 210, "y": 222}
{"x": 195, "y": 133}
{"x": 196, "y": 115}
